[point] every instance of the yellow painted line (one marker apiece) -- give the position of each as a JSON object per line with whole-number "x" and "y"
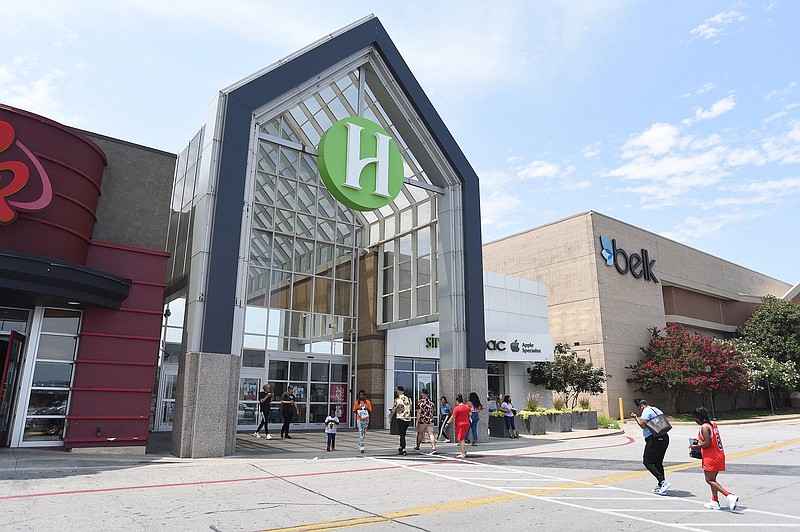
{"x": 501, "y": 499}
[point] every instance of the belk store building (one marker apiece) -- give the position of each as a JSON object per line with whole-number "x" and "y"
{"x": 608, "y": 282}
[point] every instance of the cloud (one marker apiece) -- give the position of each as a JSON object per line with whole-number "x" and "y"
{"x": 693, "y": 228}
{"x": 784, "y": 148}
{"x": 717, "y": 25}
{"x": 590, "y": 151}
{"x": 658, "y": 139}
{"x": 718, "y": 108}
{"x": 38, "y": 93}
{"x": 539, "y": 169}
{"x": 780, "y": 94}
{"x": 704, "y": 88}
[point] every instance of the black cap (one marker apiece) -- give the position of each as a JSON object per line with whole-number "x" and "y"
{"x": 639, "y": 402}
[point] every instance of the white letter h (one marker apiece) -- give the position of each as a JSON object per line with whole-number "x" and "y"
{"x": 355, "y": 164}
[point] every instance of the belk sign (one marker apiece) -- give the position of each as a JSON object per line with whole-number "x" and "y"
{"x": 360, "y": 164}
{"x": 637, "y": 264}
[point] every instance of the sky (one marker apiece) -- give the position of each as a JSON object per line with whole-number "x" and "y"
{"x": 682, "y": 118}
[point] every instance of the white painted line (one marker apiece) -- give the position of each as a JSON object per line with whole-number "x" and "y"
{"x": 755, "y": 526}
{"x": 515, "y": 479}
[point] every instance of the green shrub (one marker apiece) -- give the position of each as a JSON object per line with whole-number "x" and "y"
{"x": 534, "y": 401}
{"x": 559, "y": 404}
{"x": 584, "y": 403}
{"x": 607, "y": 422}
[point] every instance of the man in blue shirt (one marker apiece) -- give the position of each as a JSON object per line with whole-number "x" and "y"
{"x": 655, "y": 447}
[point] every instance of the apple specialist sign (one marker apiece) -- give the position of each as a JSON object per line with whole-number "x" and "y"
{"x": 360, "y": 164}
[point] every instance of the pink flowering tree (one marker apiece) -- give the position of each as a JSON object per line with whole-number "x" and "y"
{"x": 681, "y": 363}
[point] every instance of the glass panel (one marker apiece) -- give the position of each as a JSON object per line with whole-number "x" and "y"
{"x": 325, "y": 230}
{"x": 306, "y": 198}
{"x": 13, "y": 320}
{"x": 264, "y": 192}
{"x": 404, "y": 379}
{"x": 327, "y": 205}
{"x": 406, "y": 220}
{"x": 255, "y": 320}
{"x": 43, "y": 429}
{"x": 282, "y": 253}
{"x": 280, "y": 290}
{"x": 423, "y": 271}
{"x": 286, "y": 193}
{"x": 301, "y": 293}
{"x": 405, "y": 247}
{"x": 404, "y": 305}
{"x": 170, "y": 386}
{"x": 267, "y": 156}
{"x": 404, "y": 363}
{"x": 263, "y": 216}
{"x": 61, "y": 321}
{"x": 420, "y": 364}
{"x": 322, "y": 295}
{"x": 424, "y": 300}
{"x": 341, "y": 412}
{"x": 339, "y": 373}
{"x": 284, "y": 221}
{"x": 246, "y": 413}
{"x": 252, "y": 341}
{"x": 287, "y": 164}
{"x": 304, "y": 226}
{"x": 257, "y": 283}
{"x": 278, "y": 370}
{"x": 317, "y": 413}
{"x": 319, "y": 372}
{"x": 260, "y": 248}
{"x": 405, "y": 275}
{"x": 388, "y": 311}
{"x": 388, "y": 280}
{"x": 52, "y": 375}
{"x": 253, "y": 359}
{"x": 308, "y": 168}
{"x": 344, "y": 266}
{"x": 48, "y": 403}
{"x": 303, "y": 256}
{"x": 341, "y": 304}
{"x": 298, "y": 371}
{"x": 56, "y": 347}
{"x": 319, "y": 393}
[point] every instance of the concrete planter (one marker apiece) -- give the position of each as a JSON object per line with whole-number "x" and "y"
{"x": 584, "y": 420}
{"x": 531, "y": 426}
{"x": 558, "y": 422}
{"x": 497, "y": 427}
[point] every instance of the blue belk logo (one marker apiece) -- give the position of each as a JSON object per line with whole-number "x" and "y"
{"x": 608, "y": 250}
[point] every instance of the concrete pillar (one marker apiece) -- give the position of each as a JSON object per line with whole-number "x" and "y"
{"x": 463, "y": 381}
{"x": 205, "y": 406}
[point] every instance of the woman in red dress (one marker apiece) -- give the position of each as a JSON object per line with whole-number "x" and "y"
{"x": 710, "y": 445}
{"x": 460, "y": 417}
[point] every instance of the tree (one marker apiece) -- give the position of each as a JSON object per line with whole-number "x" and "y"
{"x": 681, "y": 362}
{"x": 569, "y": 375}
{"x": 764, "y": 373}
{"x": 774, "y": 328}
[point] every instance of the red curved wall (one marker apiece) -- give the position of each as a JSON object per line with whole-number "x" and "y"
{"x": 72, "y": 164}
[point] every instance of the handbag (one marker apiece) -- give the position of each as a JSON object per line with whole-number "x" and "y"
{"x": 659, "y": 425}
{"x": 695, "y": 453}
{"x": 514, "y": 411}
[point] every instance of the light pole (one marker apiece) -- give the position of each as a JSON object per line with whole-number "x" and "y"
{"x": 769, "y": 393}
{"x": 710, "y": 393}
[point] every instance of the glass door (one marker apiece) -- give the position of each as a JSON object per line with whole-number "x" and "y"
{"x": 318, "y": 387}
{"x": 9, "y": 373}
{"x": 166, "y": 397}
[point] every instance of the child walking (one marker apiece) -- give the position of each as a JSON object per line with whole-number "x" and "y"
{"x": 331, "y": 422}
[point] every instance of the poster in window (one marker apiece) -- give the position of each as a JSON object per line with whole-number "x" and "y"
{"x": 338, "y": 393}
{"x": 249, "y": 389}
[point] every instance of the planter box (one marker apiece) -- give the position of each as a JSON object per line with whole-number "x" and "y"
{"x": 558, "y": 422}
{"x": 584, "y": 420}
{"x": 531, "y": 426}
{"x": 497, "y": 427}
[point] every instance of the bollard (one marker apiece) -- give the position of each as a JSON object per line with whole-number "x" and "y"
{"x": 621, "y": 412}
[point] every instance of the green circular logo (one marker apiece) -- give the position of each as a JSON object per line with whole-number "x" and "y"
{"x": 360, "y": 164}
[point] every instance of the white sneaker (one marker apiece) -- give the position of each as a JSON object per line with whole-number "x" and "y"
{"x": 256, "y": 434}
{"x": 655, "y": 490}
{"x": 662, "y": 489}
{"x": 269, "y": 436}
{"x": 732, "y": 500}
{"x": 712, "y": 505}
{"x": 446, "y": 440}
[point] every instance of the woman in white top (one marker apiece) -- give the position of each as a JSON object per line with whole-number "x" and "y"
{"x": 509, "y": 412}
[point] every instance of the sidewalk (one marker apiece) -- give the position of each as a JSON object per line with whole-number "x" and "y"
{"x": 304, "y": 444}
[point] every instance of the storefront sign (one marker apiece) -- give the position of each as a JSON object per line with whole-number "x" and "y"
{"x": 637, "y": 264}
{"x": 18, "y": 161}
{"x": 360, "y": 164}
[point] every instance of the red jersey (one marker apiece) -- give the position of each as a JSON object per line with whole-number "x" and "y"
{"x": 714, "y": 454}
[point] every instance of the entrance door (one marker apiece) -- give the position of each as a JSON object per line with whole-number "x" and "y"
{"x": 12, "y": 355}
{"x": 166, "y": 397}
{"x": 318, "y": 387}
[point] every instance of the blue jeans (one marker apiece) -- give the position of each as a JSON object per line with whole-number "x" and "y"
{"x": 473, "y": 425}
